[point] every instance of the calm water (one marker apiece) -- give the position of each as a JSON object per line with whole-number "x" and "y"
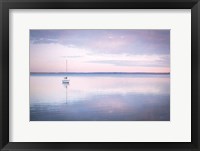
{"x": 100, "y": 97}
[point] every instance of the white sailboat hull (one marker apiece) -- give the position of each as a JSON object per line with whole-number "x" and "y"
{"x": 65, "y": 81}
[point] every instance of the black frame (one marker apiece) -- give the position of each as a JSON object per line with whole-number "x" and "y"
{"x": 5, "y": 5}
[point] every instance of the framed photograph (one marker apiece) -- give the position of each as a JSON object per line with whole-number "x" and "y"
{"x": 99, "y": 75}
{"x": 94, "y": 74}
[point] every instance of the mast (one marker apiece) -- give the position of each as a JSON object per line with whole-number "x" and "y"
{"x": 66, "y": 66}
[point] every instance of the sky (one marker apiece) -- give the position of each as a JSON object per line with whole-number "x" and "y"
{"x": 99, "y": 50}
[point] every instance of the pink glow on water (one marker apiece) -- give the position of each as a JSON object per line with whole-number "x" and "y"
{"x": 84, "y": 86}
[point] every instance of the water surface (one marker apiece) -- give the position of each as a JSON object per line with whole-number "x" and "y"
{"x": 100, "y": 97}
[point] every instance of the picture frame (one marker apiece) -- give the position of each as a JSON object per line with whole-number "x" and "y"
{"x": 5, "y": 5}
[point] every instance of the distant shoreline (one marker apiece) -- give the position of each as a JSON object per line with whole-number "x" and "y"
{"x": 99, "y": 73}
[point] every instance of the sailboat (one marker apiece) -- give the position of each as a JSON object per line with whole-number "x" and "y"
{"x": 65, "y": 80}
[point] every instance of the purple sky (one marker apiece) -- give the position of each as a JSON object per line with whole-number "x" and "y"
{"x": 100, "y": 50}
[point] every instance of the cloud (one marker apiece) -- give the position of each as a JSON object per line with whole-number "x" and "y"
{"x": 147, "y": 61}
{"x": 107, "y": 41}
{"x": 44, "y": 41}
{"x": 71, "y": 56}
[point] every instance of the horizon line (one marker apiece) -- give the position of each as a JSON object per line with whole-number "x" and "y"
{"x": 99, "y": 72}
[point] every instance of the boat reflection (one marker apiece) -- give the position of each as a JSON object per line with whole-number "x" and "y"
{"x": 65, "y": 84}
